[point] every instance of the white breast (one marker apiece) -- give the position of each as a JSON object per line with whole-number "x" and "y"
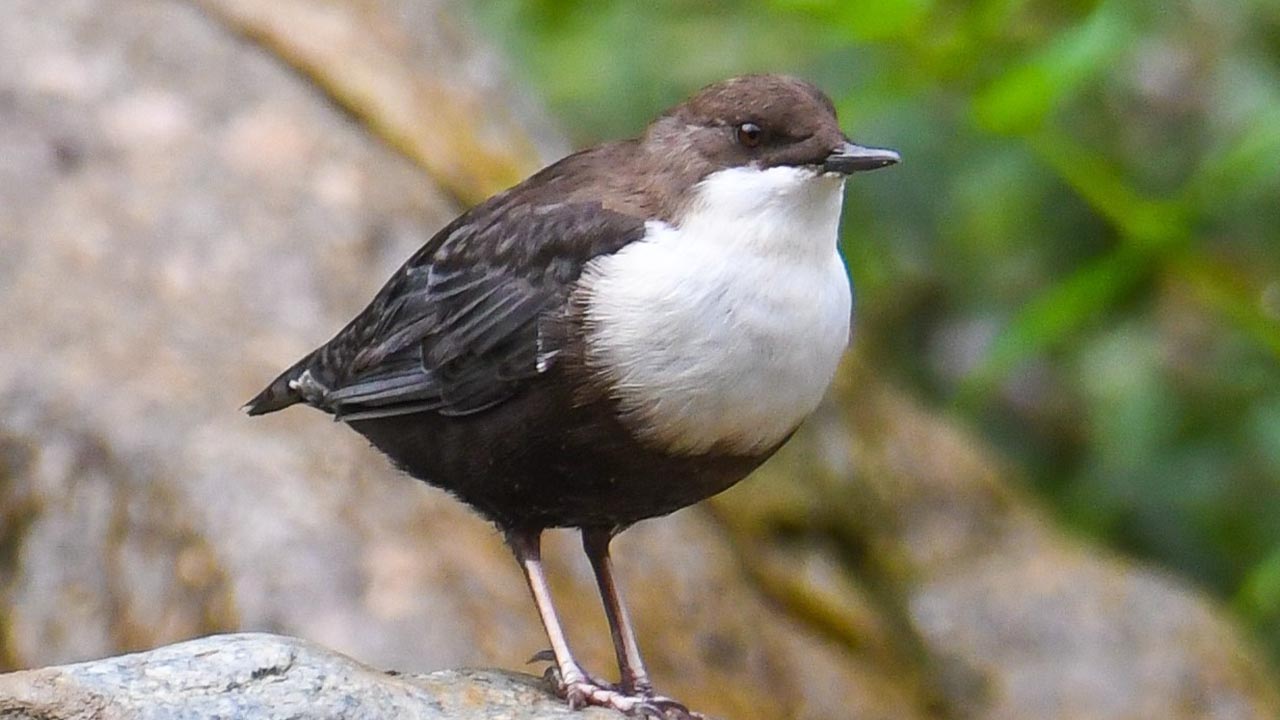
{"x": 725, "y": 331}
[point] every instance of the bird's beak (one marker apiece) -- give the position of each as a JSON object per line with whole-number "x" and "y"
{"x": 850, "y": 158}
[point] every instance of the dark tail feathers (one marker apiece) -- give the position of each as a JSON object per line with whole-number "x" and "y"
{"x": 278, "y": 395}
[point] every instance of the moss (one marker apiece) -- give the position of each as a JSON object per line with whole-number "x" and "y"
{"x": 18, "y": 511}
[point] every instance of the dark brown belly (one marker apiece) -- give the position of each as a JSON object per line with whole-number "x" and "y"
{"x": 542, "y": 459}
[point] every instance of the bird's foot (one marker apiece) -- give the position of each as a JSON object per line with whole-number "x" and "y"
{"x": 583, "y": 693}
{"x": 583, "y": 690}
{"x": 672, "y": 709}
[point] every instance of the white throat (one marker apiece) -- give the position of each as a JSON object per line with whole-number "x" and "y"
{"x": 723, "y": 333}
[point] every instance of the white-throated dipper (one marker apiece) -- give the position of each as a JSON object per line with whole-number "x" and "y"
{"x": 631, "y": 330}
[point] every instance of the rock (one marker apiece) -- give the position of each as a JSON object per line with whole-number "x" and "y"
{"x": 419, "y": 80}
{"x": 256, "y": 676}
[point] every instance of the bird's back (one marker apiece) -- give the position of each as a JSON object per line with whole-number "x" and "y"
{"x": 462, "y": 325}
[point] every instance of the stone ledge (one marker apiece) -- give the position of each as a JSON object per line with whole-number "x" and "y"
{"x": 257, "y": 676}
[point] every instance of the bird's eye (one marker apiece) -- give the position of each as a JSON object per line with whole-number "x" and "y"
{"x": 748, "y": 135}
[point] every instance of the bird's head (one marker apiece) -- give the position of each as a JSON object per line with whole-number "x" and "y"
{"x": 762, "y": 122}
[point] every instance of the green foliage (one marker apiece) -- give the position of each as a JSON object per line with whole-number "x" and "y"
{"x": 1021, "y": 98}
{"x": 1080, "y": 253}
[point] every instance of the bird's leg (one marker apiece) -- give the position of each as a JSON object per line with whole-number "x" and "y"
{"x": 571, "y": 682}
{"x": 527, "y": 547}
{"x": 634, "y": 678}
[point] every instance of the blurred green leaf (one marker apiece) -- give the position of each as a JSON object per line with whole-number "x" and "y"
{"x": 1020, "y": 100}
{"x": 1250, "y": 160}
{"x": 1056, "y": 315}
{"x": 1259, "y": 596}
{"x": 865, "y": 20}
{"x": 1227, "y": 294}
{"x": 991, "y": 17}
{"x": 1100, "y": 183}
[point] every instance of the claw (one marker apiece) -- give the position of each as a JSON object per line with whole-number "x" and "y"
{"x": 647, "y": 709}
{"x": 587, "y": 691}
{"x": 577, "y": 699}
{"x": 667, "y": 703}
{"x": 541, "y": 656}
{"x": 669, "y": 709}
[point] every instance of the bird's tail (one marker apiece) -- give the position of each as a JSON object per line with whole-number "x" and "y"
{"x": 281, "y": 393}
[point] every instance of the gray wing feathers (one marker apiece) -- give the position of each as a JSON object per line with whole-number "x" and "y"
{"x": 459, "y": 328}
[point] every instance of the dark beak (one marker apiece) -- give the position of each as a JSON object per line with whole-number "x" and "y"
{"x": 850, "y": 158}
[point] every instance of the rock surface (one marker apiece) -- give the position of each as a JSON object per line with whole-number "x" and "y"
{"x": 193, "y": 194}
{"x": 255, "y": 676}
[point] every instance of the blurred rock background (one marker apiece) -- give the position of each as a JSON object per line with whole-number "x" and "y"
{"x": 1047, "y": 481}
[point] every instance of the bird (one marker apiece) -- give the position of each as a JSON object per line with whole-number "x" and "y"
{"x": 630, "y": 330}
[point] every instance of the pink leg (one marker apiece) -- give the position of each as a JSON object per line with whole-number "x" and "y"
{"x": 634, "y": 677}
{"x": 572, "y": 683}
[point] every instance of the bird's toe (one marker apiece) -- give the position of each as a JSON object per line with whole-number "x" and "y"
{"x": 587, "y": 692}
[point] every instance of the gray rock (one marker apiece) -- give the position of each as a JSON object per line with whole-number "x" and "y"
{"x": 256, "y": 676}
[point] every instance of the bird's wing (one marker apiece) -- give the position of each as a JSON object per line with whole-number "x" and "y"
{"x": 463, "y": 323}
